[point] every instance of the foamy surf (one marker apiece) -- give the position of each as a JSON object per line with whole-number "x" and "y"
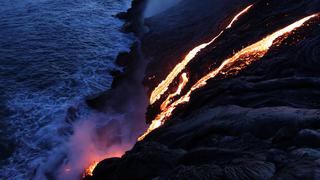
{"x": 64, "y": 52}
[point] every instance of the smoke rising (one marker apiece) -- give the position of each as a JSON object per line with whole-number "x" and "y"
{"x": 100, "y": 137}
{"x": 113, "y": 131}
{"x": 157, "y": 6}
{"x": 106, "y": 133}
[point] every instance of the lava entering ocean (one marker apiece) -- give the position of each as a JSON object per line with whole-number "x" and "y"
{"x": 245, "y": 57}
{"x": 89, "y": 170}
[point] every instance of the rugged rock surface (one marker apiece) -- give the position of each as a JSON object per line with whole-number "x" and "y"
{"x": 263, "y": 123}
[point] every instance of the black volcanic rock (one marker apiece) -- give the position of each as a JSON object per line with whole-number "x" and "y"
{"x": 299, "y": 169}
{"x": 176, "y": 31}
{"x": 122, "y": 15}
{"x": 147, "y": 161}
{"x": 123, "y": 59}
{"x": 210, "y": 155}
{"x": 144, "y": 161}
{"x": 249, "y": 169}
{"x": 260, "y": 123}
{"x": 211, "y": 171}
{"x": 228, "y": 143}
{"x": 134, "y": 18}
{"x": 308, "y": 138}
{"x": 106, "y": 169}
{"x": 123, "y": 80}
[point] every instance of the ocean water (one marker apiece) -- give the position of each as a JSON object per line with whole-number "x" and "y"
{"x": 53, "y": 53}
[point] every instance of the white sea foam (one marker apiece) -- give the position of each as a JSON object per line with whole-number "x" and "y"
{"x": 38, "y": 123}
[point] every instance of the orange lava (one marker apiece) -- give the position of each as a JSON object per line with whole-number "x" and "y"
{"x": 238, "y": 15}
{"x": 163, "y": 86}
{"x": 183, "y": 81}
{"x": 245, "y": 57}
{"x": 165, "y": 104}
{"x": 89, "y": 170}
{"x": 92, "y": 161}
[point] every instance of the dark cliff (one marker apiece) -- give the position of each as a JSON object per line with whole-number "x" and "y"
{"x": 260, "y": 123}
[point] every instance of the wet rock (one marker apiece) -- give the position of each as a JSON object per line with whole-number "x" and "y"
{"x": 98, "y": 102}
{"x": 123, "y": 59}
{"x": 122, "y": 15}
{"x": 134, "y": 18}
{"x": 72, "y": 115}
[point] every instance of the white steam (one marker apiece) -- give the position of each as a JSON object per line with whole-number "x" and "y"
{"x": 112, "y": 133}
{"x": 100, "y": 137}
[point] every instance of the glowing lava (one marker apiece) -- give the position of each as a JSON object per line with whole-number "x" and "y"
{"x": 163, "y": 86}
{"x": 89, "y": 170}
{"x": 183, "y": 81}
{"x": 245, "y": 57}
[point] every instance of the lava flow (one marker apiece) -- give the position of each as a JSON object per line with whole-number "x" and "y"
{"x": 246, "y": 56}
{"x": 183, "y": 83}
{"x": 163, "y": 86}
{"x": 89, "y": 170}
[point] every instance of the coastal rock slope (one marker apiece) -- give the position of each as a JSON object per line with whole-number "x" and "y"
{"x": 262, "y": 122}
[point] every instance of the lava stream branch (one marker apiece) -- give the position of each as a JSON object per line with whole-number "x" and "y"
{"x": 183, "y": 82}
{"x": 246, "y": 56}
{"x": 89, "y": 170}
{"x": 163, "y": 86}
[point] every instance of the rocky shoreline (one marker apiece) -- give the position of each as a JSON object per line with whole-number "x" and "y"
{"x": 133, "y": 19}
{"x": 261, "y": 123}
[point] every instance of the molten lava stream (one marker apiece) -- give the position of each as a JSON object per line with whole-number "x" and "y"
{"x": 247, "y": 55}
{"x": 183, "y": 82}
{"x": 163, "y": 86}
{"x": 89, "y": 170}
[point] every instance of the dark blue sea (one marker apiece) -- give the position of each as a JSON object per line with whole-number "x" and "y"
{"x": 53, "y": 54}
